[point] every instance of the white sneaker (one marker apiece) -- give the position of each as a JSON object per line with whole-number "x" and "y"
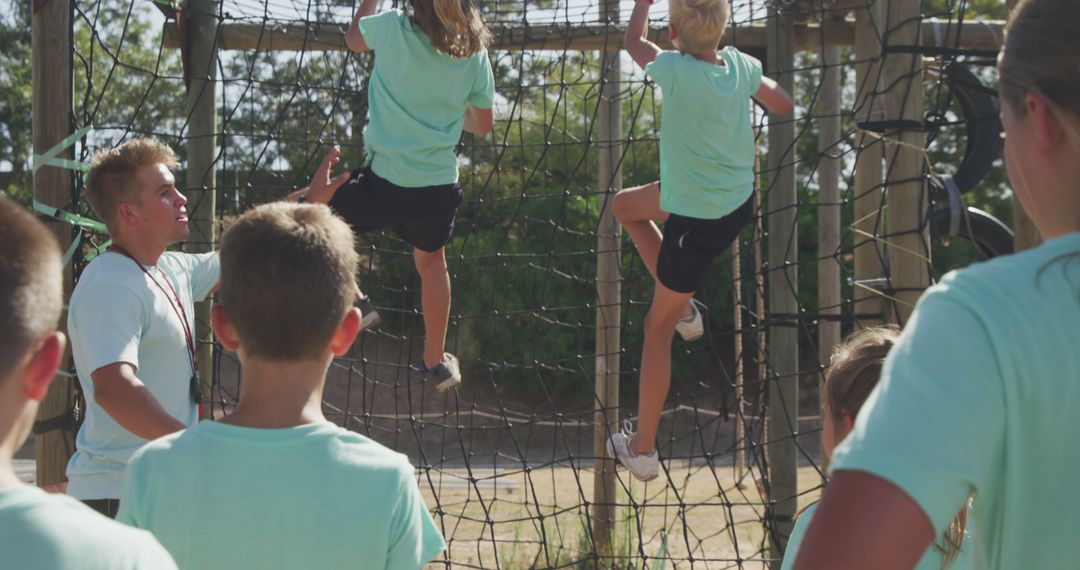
{"x": 445, "y": 374}
{"x": 692, "y": 327}
{"x": 644, "y": 467}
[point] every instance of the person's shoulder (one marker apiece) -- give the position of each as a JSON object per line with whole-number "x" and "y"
{"x": 1010, "y": 276}
{"x": 75, "y": 526}
{"x": 360, "y": 452}
{"x": 165, "y": 448}
{"x": 108, "y": 268}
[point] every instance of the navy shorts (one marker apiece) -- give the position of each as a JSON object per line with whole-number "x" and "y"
{"x": 423, "y": 216}
{"x": 691, "y": 244}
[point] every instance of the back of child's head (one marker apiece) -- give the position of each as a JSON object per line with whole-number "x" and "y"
{"x": 31, "y": 283}
{"x": 454, "y": 26}
{"x": 699, "y": 24}
{"x": 854, "y": 370}
{"x": 288, "y": 276}
{"x": 112, "y": 173}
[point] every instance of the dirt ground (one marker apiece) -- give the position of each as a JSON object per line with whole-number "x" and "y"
{"x": 693, "y": 515}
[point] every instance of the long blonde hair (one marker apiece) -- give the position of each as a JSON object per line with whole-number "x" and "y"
{"x": 854, "y": 371}
{"x": 454, "y": 26}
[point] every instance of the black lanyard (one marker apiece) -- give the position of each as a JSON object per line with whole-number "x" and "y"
{"x": 178, "y": 308}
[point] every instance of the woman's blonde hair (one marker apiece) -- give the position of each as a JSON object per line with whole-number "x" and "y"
{"x": 454, "y": 26}
{"x": 699, "y": 24}
{"x": 854, "y": 371}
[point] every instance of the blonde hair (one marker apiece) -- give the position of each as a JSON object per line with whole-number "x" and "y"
{"x": 699, "y": 24}
{"x": 854, "y": 371}
{"x": 112, "y": 174}
{"x": 453, "y": 26}
{"x": 31, "y": 283}
{"x": 288, "y": 276}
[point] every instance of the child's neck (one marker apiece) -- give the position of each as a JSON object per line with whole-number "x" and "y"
{"x": 276, "y": 394}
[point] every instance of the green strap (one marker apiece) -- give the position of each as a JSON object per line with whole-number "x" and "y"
{"x": 71, "y": 218}
{"x": 50, "y": 156}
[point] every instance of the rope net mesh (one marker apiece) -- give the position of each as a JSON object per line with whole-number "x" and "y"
{"x": 507, "y": 461}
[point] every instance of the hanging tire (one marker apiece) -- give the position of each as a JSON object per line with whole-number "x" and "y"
{"x": 979, "y": 106}
{"x": 987, "y": 233}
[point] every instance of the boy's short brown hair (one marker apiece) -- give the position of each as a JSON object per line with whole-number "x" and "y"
{"x": 112, "y": 174}
{"x": 31, "y": 283}
{"x": 699, "y": 24}
{"x": 288, "y": 276}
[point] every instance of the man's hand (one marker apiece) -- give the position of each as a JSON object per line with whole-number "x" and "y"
{"x": 324, "y": 184}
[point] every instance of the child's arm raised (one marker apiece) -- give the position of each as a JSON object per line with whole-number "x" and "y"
{"x": 773, "y": 97}
{"x": 640, "y": 49}
{"x": 353, "y": 38}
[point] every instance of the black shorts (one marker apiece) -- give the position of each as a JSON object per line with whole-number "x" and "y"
{"x": 691, "y": 244}
{"x": 423, "y": 216}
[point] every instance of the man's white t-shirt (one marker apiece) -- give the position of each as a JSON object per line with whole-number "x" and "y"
{"x": 118, "y": 314}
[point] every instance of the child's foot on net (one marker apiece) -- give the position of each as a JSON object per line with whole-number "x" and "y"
{"x": 645, "y": 467}
{"x": 370, "y": 317}
{"x": 445, "y": 374}
{"x": 692, "y": 327}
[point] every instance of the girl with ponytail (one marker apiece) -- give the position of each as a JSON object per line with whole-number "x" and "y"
{"x": 979, "y": 396}
{"x": 431, "y": 80}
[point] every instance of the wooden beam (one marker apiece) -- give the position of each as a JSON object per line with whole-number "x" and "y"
{"x": 783, "y": 247}
{"x": 329, "y": 36}
{"x": 202, "y": 166}
{"x": 829, "y": 206}
{"x": 52, "y": 98}
{"x": 908, "y": 237}
{"x": 608, "y": 295}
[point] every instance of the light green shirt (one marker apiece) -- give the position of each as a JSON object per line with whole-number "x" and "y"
{"x": 930, "y": 561}
{"x": 706, "y": 133}
{"x": 980, "y": 396}
{"x": 118, "y": 314}
{"x": 40, "y": 531}
{"x": 313, "y": 496}
{"x": 417, "y": 98}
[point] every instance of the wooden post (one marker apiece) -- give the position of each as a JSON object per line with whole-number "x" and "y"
{"x": 867, "y": 195}
{"x": 608, "y": 290}
{"x": 201, "y": 188}
{"x": 783, "y": 385}
{"x": 52, "y": 97}
{"x": 1025, "y": 234}
{"x": 828, "y": 174}
{"x": 908, "y": 241}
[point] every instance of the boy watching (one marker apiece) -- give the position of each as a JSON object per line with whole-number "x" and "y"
{"x": 41, "y": 530}
{"x": 290, "y": 489}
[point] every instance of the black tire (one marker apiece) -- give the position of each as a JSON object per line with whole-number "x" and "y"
{"x": 978, "y": 104}
{"x": 989, "y": 235}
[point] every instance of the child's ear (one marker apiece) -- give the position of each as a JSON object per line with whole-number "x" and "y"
{"x": 672, "y": 33}
{"x": 224, "y": 330}
{"x": 848, "y": 422}
{"x": 1049, "y": 131}
{"x": 41, "y": 368}
{"x": 346, "y": 332}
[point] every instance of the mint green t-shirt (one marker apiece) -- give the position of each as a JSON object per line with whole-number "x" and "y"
{"x": 118, "y": 314}
{"x": 312, "y": 496}
{"x": 417, "y": 97}
{"x": 706, "y": 132}
{"x": 930, "y": 561}
{"x": 979, "y": 396}
{"x": 39, "y": 531}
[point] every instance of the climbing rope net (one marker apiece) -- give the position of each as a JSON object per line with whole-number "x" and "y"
{"x": 507, "y": 461}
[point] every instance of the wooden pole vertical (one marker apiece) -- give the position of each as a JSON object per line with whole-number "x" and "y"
{"x": 608, "y": 289}
{"x": 52, "y": 99}
{"x": 828, "y": 174}
{"x": 783, "y": 385}
{"x": 908, "y": 241}
{"x": 867, "y": 195}
{"x": 201, "y": 188}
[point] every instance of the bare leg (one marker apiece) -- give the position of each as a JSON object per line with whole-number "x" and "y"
{"x": 435, "y": 298}
{"x": 667, "y": 307}
{"x": 637, "y": 209}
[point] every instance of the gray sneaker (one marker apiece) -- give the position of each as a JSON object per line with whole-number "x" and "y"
{"x": 643, "y": 467}
{"x": 445, "y": 374}
{"x": 370, "y": 317}
{"x": 692, "y": 327}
